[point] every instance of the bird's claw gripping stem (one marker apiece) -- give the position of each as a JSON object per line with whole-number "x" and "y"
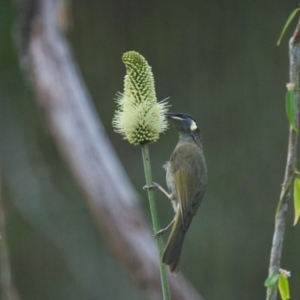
{"x": 154, "y": 185}
{"x": 159, "y": 232}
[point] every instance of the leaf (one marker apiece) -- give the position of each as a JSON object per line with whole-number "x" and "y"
{"x": 284, "y": 288}
{"x": 290, "y": 108}
{"x": 271, "y": 281}
{"x": 286, "y": 25}
{"x": 296, "y": 200}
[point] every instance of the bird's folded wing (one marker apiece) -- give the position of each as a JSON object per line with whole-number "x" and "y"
{"x": 186, "y": 174}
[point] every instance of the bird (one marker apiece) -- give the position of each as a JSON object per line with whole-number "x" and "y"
{"x": 186, "y": 178}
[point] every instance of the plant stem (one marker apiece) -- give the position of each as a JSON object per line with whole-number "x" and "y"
{"x": 155, "y": 221}
{"x": 286, "y": 190}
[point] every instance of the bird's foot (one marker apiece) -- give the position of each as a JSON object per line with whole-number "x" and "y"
{"x": 159, "y": 232}
{"x": 154, "y": 185}
{"x": 163, "y": 230}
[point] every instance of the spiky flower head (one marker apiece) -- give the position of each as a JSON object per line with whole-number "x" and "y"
{"x": 139, "y": 117}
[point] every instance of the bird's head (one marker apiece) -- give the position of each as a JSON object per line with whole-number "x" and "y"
{"x": 186, "y": 126}
{"x": 183, "y": 123}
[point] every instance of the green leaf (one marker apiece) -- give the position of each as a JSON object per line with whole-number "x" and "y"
{"x": 296, "y": 200}
{"x": 290, "y": 108}
{"x": 284, "y": 288}
{"x": 286, "y": 25}
{"x": 271, "y": 281}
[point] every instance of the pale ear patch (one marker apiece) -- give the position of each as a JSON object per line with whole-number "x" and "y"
{"x": 193, "y": 126}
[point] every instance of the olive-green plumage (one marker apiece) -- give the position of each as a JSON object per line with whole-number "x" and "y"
{"x": 186, "y": 177}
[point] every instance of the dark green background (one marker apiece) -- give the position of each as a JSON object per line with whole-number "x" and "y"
{"x": 216, "y": 60}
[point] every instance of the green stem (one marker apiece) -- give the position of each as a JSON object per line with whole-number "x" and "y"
{"x": 155, "y": 222}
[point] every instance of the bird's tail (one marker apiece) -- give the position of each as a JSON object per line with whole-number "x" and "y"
{"x": 172, "y": 253}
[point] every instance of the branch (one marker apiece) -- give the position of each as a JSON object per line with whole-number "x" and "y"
{"x": 286, "y": 190}
{"x": 70, "y": 117}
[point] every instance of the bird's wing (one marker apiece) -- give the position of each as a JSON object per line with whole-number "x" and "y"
{"x": 187, "y": 173}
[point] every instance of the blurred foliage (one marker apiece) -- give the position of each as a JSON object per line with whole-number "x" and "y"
{"x": 217, "y": 60}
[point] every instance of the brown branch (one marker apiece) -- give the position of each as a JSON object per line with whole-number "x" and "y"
{"x": 80, "y": 137}
{"x": 286, "y": 190}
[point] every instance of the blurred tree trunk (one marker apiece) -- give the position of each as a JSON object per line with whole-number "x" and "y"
{"x": 72, "y": 120}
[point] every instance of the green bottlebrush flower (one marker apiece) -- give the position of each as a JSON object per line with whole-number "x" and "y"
{"x": 139, "y": 117}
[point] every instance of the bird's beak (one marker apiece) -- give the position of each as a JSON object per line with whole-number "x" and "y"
{"x": 172, "y": 116}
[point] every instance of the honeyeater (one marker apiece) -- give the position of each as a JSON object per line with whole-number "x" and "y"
{"x": 186, "y": 177}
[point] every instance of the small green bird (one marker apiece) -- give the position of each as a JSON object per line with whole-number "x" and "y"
{"x": 186, "y": 176}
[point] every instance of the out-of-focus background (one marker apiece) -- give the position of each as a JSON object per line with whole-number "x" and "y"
{"x": 216, "y": 60}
